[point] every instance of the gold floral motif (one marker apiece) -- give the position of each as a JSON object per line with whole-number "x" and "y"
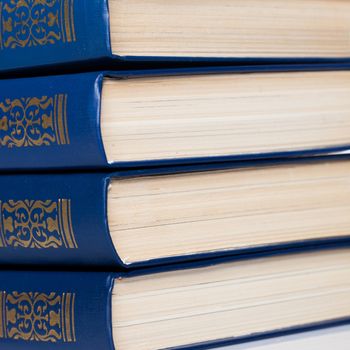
{"x": 37, "y": 316}
{"x": 36, "y": 224}
{"x": 28, "y": 23}
{"x": 34, "y": 121}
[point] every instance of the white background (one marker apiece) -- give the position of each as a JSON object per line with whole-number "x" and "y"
{"x": 337, "y": 338}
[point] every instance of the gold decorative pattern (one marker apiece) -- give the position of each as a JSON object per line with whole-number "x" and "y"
{"x": 30, "y": 23}
{"x": 34, "y": 121}
{"x": 36, "y": 224}
{"x": 37, "y": 316}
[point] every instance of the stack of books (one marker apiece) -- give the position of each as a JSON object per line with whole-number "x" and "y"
{"x": 174, "y": 174}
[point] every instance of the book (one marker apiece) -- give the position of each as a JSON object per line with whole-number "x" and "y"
{"x": 43, "y": 33}
{"x": 200, "y": 305}
{"x": 164, "y": 117}
{"x": 159, "y": 216}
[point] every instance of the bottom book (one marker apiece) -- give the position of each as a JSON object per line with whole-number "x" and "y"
{"x": 199, "y": 305}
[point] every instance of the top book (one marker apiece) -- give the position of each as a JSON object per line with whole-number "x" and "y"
{"x": 40, "y": 33}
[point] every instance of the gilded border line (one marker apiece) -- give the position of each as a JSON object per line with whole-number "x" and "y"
{"x": 72, "y": 20}
{"x": 66, "y": 222}
{"x": 72, "y": 318}
{"x": 1, "y": 6}
{"x": 54, "y": 117}
{"x": 60, "y": 116}
{"x": 2, "y": 234}
{"x": 63, "y": 317}
{"x": 65, "y": 119}
{"x": 2, "y": 316}
{"x": 60, "y": 225}
{"x": 68, "y": 326}
{"x": 65, "y": 217}
{"x": 67, "y": 21}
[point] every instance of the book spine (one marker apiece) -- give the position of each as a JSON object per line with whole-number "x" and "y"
{"x": 66, "y": 31}
{"x": 55, "y": 310}
{"x": 55, "y": 220}
{"x": 51, "y": 122}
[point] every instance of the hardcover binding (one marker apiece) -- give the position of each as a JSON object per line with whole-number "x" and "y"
{"x": 62, "y": 310}
{"x": 71, "y": 31}
{"x": 55, "y": 220}
{"x": 73, "y": 228}
{"x": 65, "y": 119}
{"x": 65, "y": 111}
{"x": 77, "y": 309}
{"x": 75, "y": 33}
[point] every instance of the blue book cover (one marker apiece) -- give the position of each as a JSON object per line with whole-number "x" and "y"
{"x": 55, "y": 123}
{"x": 91, "y": 310}
{"x": 83, "y": 219}
{"x": 47, "y": 33}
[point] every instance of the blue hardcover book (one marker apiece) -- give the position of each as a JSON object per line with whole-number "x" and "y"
{"x": 44, "y": 33}
{"x": 147, "y": 118}
{"x": 193, "y": 306}
{"x": 163, "y": 215}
